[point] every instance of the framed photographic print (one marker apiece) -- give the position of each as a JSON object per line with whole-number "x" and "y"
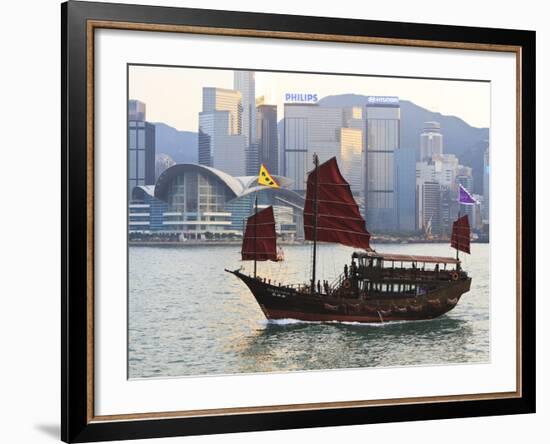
{"x": 275, "y": 221}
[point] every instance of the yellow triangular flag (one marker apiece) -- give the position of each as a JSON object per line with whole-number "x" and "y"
{"x": 264, "y": 178}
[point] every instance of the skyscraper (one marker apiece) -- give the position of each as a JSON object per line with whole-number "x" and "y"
{"x": 353, "y": 117}
{"x": 429, "y": 203}
{"x": 449, "y": 210}
{"x": 447, "y": 166}
{"x": 486, "y": 183}
{"x": 349, "y": 157}
{"x": 219, "y": 148}
{"x": 141, "y": 147}
{"x": 466, "y": 179}
{"x": 405, "y": 189}
{"x": 244, "y": 82}
{"x": 382, "y": 140}
{"x": 308, "y": 129}
{"x": 267, "y": 137}
{"x": 220, "y": 99}
{"x": 221, "y": 144}
{"x": 431, "y": 141}
{"x": 136, "y": 110}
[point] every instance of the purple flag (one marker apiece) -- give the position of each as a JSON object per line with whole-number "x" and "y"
{"x": 464, "y": 197}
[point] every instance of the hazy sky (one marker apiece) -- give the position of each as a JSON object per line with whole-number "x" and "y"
{"x": 174, "y": 95}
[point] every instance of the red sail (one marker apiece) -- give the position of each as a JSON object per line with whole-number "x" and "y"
{"x": 260, "y": 239}
{"x": 338, "y": 217}
{"x": 460, "y": 238}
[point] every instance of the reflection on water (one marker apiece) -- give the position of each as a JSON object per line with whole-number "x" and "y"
{"x": 436, "y": 341}
{"x": 188, "y": 317}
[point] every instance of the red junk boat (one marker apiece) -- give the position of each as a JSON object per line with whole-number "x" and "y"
{"x": 376, "y": 287}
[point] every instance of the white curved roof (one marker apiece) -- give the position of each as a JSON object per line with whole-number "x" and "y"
{"x": 240, "y": 186}
{"x": 149, "y": 189}
{"x": 234, "y": 183}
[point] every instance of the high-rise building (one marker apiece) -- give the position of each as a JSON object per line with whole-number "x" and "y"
{"x": 440, "y": 168}
{"x": 162, "y": 162}
{"x": 445, "y": 171}
{"x": 353, "y": 117}
{"x": 141, "y": 147}
{"x": 308, "y": 129}
{"x": 221, "y": 144}
{"x": 136, "y": 111}
{"x": 431, "y": 141}
{"x": 382, "y": 140}
{"x": 486, "y": 188}
{"x": 220, "y": 99}
{"x": 446, "y": 166}
{"x": 244, "y": 82}
{"x": 429, "y": 207}
{"x": 219, "y": 148}
{"x": 349, "y": 157}
{"x": 477, "y": 216}
{"x": 466, "y": 179}
{"x": 405, "y": 190}
{"x": 449, "y": 210}
{"x": 267, "y": 137}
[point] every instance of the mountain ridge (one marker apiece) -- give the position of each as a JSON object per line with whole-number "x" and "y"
{"x": 459, "y": 138}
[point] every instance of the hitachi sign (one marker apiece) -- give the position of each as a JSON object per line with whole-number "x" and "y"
{"x": 382, "y": 100}
{"x": 301, "y": 97}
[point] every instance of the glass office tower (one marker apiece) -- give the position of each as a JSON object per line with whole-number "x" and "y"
{"x": 382, "y": 140}
{"x": 141, "y": 147}
{"x": 221, "y": 144}
{"x": 405, "y": 189}
{"x": 308, "y": 129}
{"x": 244, "y": 82}
{"x": 268, "y": 147}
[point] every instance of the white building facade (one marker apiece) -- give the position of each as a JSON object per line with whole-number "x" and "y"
{"x": 431, "y": 141}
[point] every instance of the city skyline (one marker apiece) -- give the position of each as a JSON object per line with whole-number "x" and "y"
{"x": 174, "y": 94}
{"x": 398, "y": 188}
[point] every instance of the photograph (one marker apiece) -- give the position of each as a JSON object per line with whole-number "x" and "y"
{"x": 285, "y": 221}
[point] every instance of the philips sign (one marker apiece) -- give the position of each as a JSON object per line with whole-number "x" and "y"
{"x": 301, "y": 98}
{"x": 382, "y": 100}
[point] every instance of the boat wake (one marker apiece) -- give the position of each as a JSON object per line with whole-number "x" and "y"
{"x": 291, "y": 321}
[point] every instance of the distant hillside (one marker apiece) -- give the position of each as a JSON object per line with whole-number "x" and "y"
{"x": 182, "y": 146}
{"x": 466, "y": 142}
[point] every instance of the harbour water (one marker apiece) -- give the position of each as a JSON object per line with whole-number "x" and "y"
{"x": 187, "y": 317}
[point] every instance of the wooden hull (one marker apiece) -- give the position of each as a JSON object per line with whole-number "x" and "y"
{"x": 279, "y": 302}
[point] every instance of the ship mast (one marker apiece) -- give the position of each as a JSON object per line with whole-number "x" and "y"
{"x": 338, "y": 219}
{"x": 460, "y": 236}
{"x": 457, "y": 248}
{"x": 255, "y": 233}
{"x": 315, "y": 206}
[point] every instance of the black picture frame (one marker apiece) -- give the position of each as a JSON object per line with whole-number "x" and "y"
{"x": 77, "y": 425}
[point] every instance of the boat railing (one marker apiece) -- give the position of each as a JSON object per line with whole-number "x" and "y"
{"x": 405, "y": 273}
{"x": 338, "y": 281}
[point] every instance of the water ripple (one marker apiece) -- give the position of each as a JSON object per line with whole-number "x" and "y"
{"x": 188, "y": 317}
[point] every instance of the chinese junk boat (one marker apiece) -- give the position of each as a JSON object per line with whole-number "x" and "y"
{"x": 376, "y": 287}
